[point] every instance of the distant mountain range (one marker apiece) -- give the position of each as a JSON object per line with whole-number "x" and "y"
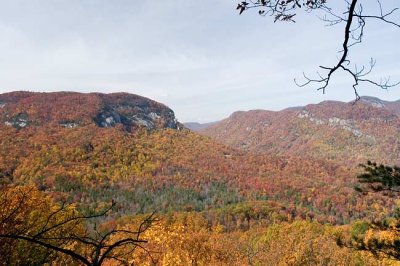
{"x": 344, "y": 132}
{"x": 92, "y": 148}
{"x": 194, "y": 126}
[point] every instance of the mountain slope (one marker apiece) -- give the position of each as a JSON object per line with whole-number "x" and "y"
{"x": 343, "y": 132}
{"x": 158, "y": 168}
{"x": 68, "y": 109}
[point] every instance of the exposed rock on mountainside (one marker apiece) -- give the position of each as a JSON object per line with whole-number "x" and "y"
{"x": 70, "y": 110}
{"x": 74, "y": 146}
{"x": 344, "y": 132}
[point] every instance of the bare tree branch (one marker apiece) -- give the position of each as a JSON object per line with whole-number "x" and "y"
{"x": 50, "y": 246}
{"x": 52, "y": 235}
{"x": 355, "y": 21}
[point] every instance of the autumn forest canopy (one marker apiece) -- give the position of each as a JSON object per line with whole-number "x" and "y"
{"x": 115, "y": 179}
{"x": 83, "y": 172}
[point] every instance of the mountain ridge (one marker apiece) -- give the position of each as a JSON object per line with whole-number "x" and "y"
{"x": 161, "y": 169}
{"x": 333, "y": 130}
{"x": 72, "y": 109}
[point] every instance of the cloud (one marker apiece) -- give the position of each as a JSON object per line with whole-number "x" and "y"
{"x": 199, "y": 57}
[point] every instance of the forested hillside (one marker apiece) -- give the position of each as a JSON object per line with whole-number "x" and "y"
{"x": 345, "y": 133}
{"x": 160, "y": 168}
{"x": 91, "y": 150}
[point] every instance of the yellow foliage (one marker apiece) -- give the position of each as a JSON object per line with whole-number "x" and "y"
{"x": 187, "y": 239}
{"x": 24, "y": 210}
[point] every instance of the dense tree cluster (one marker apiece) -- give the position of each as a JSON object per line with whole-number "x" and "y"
{"x": 173, "y": 170}
{"x": 339, "y": 132}
{"x": 215, "y": 205}
{"x": 35, "y": 230}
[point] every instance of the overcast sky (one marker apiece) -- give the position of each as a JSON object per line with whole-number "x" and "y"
{"x": 199, "y": 57}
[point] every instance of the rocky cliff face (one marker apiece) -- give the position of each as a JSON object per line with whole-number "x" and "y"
{"x": 71, "y": 110}
{"x": 345, "y": 132}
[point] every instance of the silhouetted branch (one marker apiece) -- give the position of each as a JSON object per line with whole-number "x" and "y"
{"x": 47, "y": 245}
{"x": 55, "y": 236}
{"x": 74, "y": 218}
{"x": 280, "y": 10}
{"x": 355, "y": 22}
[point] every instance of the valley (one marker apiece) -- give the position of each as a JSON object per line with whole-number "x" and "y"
{"x": 254, "y": 171}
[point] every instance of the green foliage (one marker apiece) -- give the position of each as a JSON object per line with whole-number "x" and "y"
{"x": 358, "y": 230}
{"x": 380, "y": 177}
{"x": 381, "y": 236}
{"x": 174, "y": 170}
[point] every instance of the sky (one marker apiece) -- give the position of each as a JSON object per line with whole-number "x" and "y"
{"x": 200, "y": 58}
